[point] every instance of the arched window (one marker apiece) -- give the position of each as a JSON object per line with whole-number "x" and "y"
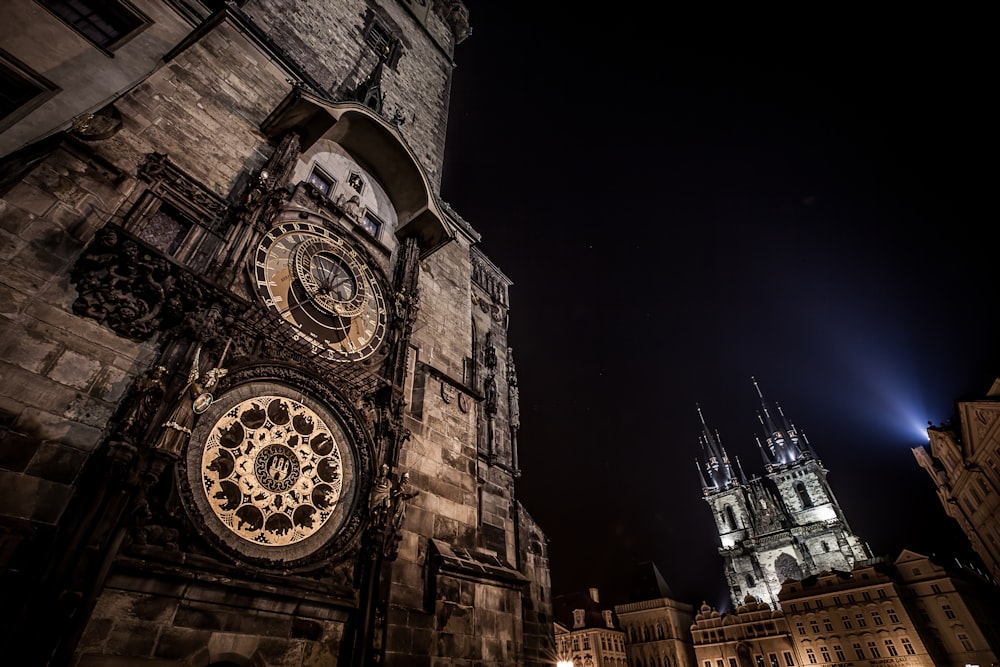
{"x": 800, "y": 490}
{"x": 730, "y": 517}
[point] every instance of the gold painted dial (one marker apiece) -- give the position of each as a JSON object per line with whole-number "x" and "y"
{"x": 271, "y": 471}
{"x": 321, "y": 285}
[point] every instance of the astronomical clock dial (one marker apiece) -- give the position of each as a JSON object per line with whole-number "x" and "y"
{"x": 324, "y": 288}
{"x": 272, "y": 473}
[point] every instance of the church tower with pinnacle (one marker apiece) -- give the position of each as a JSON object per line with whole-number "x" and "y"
{"x": 784, "y": 525}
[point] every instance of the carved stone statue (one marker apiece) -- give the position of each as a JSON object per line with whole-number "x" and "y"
{"x": 400, "y": 496}
{"x": 194, "y": 399}
{"x": 150, "y": 389}
{"x": 490, "y": 391}
{"x": 381, "y": 494}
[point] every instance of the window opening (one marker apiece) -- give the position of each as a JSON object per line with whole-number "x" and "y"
{"x": 21, "y": 90}
{"x": 371, "y": 224}
{"x": 322, "y": 181}
{"x": 104, "y": 23}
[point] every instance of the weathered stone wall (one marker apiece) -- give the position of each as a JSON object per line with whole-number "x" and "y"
{"x": 202, "y": 623}
{"x": 533, "y": 555}
{"x": 327, "y": 40}
{"x": 443, "y": 335}
{"x": 480, "y": 625}
{"x": 203, "y": 110}
{"x": 62, "y": 375}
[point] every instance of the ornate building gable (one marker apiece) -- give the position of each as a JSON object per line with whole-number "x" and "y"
{"x": 963, "y": 460}
{"x": 980, "y": 422}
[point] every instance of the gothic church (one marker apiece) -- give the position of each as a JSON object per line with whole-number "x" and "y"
{"x": 784, "y": 525}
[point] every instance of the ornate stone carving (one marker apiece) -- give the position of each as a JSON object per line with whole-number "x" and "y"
{"x": 127, "y": 286}
{"x": 171, "y": 184}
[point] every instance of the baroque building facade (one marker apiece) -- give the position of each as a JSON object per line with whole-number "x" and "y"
{"x": 656, "y": 625}
{"x": 752, "y": 635}
{"x": 587, "y": 633}
{"x": 912, "y": 611}
{"x": 784, "y": 525}
{"x": 963, "y": 460}
{"x": 259, "y": 405}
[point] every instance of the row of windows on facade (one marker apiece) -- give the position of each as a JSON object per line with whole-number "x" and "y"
{"x": 577, "y": 643}
{"x": 327, "y": 186}
{"x": 646, "y": 634}
{"x": 847, "y": 623}
{"x": 850, "y": 597}
{"x": 767, "y": 629}
{"x": 874, "y": 651}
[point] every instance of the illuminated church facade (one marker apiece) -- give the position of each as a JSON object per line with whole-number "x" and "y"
{"x": 784, "y": 525}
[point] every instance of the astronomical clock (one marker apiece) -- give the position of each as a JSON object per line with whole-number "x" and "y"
{"x": 323, "y": 287}
{"x": 263, "y": 399}
{"x": 277, "y": 464}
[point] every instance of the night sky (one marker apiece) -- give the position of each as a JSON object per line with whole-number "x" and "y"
{"x": 684, "y": 202}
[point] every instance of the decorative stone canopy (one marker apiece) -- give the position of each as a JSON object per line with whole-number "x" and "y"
{"x": 376, "y": 144}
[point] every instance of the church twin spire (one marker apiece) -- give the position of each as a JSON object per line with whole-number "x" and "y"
{"x": 783, "y": 445}
{"x": 717, "y": 472}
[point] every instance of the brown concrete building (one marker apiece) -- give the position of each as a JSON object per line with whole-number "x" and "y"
{"x": 258, "y": 402}
{"x": 963, "y": 459}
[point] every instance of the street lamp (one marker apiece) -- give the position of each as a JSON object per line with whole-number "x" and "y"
{"x": 564, "y": 663}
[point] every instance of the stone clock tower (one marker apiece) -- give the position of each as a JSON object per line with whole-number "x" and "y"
{"x": 259, "y": 406}
{"x": 785, "y": 525}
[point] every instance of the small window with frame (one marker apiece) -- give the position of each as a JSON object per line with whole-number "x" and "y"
{"x": 107, "y": 24}
{"x": 322, "y": 181}
{"x": 21, "y": 90}
{"x": 371, "y": 224}
{"x": 380, "y": 39}
{"x": 355, "y": 181}
{"x": 176, "y": 215}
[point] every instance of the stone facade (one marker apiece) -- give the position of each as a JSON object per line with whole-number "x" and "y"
{"x": 785, "y": 525}
{"x": 587, "y": 633}
{"x": 171, "y": 314}
{"x": 963, "y": 460}
{"x": 753, "y": 635}
{"x": 912, "y": 611}
{"x": 909, "y": 612}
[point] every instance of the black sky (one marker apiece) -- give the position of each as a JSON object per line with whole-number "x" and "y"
{"x": 685, "y": 201}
